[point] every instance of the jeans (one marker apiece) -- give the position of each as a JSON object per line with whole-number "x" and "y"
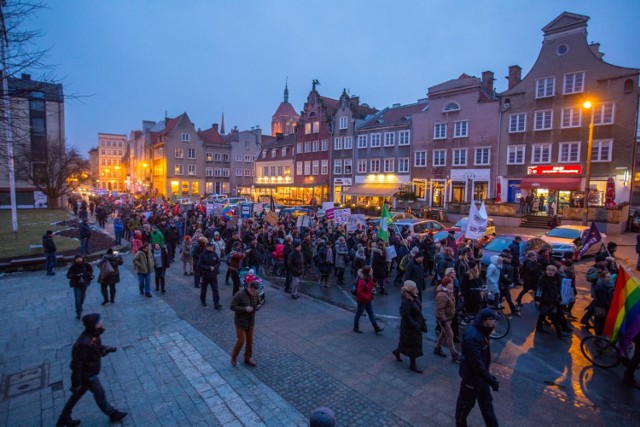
{"x": 144, "y": 283}
{"x": 79, "y": 293}
{"x": 50, "y": 261}
{"x": 245, "y": 336}
{"x": 469, "y": 393}
{"x": 362, "y": 307}
{"x": 213, "y": 282}
{"x": 118, "y": 237}
{"x": 95, "y": 387}
{"x": 84, "y": 246}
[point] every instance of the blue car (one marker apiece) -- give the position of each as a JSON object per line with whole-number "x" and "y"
{"x": 495, "y": 247}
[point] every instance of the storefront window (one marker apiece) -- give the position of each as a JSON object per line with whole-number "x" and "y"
{"x": 185, "y": 187}
{"x": 457, "y": 195}
{"x": 208, "y": 187}
{"x": 480, "y": 190}
{"x": 175, "y": 187}
{"x": 225, "y": 188}
{"x": 437, "y": 193}
{"x": 420, "y": 187}
{"x": 195, "y": 188}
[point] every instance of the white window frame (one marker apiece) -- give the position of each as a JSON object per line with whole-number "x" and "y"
{"x": 517, "y": 122}
{"x": 389, "y": 139}
{"x": 545, "y": 87}
{"x": 324, "y": 167}
{"x": 605, "y": 111}
{"x": 440, "y": 131}
{"x": 362, "y": 166}
{"x": 191, "y": 153}
{"x": 404, "y": 137}
{"x": 543, "y": 120}
{"x": 462, "y": 155}
{"x": 375, "y": 140}
{"x": 337, "y": 143}
{"x": 348, "y": 163}
{"x": 376, "y": 163}
{"x": 238, "y": 172}
{"x": 248, "y": 172}
{"x": 461, "y": 129}
{"x": 573, "y": 153}
{"x": 307, "y": 128}
{"x": 238, "y": 157}
{"x": 178, "y": 169}
{"x": 540, "y": 160}
{"x": 420, "y": 159}
{"x": 389, "y": 165}
{"x": 515, "y": 151}
{"x": 298, "y": 168}
{"x": 315, "y": 168}
{"x": 248, "y": 159}
{"x": 347, "y": 143}
{"x": 299, "y": 147}
{"x": 571, "y": 84}
{"x": 185, "y": 137}
{"x": 307, "y": 167}
{"x": 217, "y": 172}
{"x": 178, "y": 153}
{"x": 571, "y": 117}
{"x": 315, "y": 146}
{"x": 225, "y": 158}
{"x": 450, "y": 106}
{"x": 343, "y": 122}
{"x": 307, "y": 146}
{"x": 437, "y": 160}
{"x": 324, "y": 145}
{"x": 482, "y": 151}
{"x": 597, "y": 148}
{"x": 337, "y": 167}
{"x": 316, "y": 126}
{"x": 191, "y": 170}
{"x": 362, "y": 141}
{"x": 403, "y": 165}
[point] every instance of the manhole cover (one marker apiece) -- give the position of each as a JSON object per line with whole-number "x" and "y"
{"x": 24, "y": 381}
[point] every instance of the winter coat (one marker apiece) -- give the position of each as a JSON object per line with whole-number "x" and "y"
{"x": 476, "y": 356}
{"x": 207, "y": 260}
{"x": 378, "y": 264}
{"x": 80, "y": 274}
{"x": 493, "y": 276}
{"x": 115, "y": 261}
{"x": 530, "y": 274}
{"x": 164, "y": 257}
{"x": 410, "y": 343}
{"x": 136, "y": 245}
{"x": 342, "y": 252}
{"x": 85, "y": 358}
{"x": 429, "y": 250}
{"x": 241, "y": 300}
{"x": 445, "y": 304}
{"x": 143, "y": 262}
{"x": 296, "y": 263}
{"x": 48, "y": 244}
{"x": 414, "y": 271}
{"x": 118, "y": 225}
{"x": 325, "y": 266}
{"x": 172, "y": 235}
{"x": 156, "y": 237}
{"x": 514, "y": 248}
{"x": 550, "y": 288}
{"x": 443, "y": 264}
{"x": 85, "y": 230}
{"x": 186, "y": 251}
{"x": 364, "y": 289}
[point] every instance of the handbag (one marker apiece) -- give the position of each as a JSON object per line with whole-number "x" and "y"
{"x": 106, "y": 269}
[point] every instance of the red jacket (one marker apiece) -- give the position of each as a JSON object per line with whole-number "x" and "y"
{"x": 279, "y": 252}
{"x": 235, "y": 259}
{"x": 364, "y": 295}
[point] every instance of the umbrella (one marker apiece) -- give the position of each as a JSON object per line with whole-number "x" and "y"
{"x": 610, "y": 194}
{"x": 498, "y": 191}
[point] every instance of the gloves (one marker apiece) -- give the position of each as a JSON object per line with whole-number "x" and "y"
{"x": 495, "y": 385}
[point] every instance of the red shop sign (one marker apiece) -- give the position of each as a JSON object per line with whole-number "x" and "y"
{"x": 554, "y": 170}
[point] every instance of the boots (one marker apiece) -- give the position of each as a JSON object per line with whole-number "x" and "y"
{"x": 396, "y": 353}
{"x": 412, "y": 366}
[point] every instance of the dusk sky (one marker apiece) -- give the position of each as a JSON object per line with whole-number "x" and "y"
{"x": 134, "y": 60}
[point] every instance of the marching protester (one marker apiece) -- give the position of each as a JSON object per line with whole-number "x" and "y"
{"x": 245, "y": 304}
{"x": 80, "y": 274}
{"x": 109, "y": 276}
{"x": 364, "y": 297}
{"x": 412, "y": 325}
{"x": 49, "y": 247}
{"x": 143, "y": 264}
{"x": 161, "y": 262}
{"x": 208, "y": 264}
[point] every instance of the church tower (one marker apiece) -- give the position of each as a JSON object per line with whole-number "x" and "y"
{"x": 285, "y": 118}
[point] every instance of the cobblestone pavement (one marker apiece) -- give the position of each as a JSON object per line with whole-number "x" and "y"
{"x": 172, "y": 366}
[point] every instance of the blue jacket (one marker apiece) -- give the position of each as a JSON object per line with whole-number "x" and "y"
{"x": 476, "y": 356}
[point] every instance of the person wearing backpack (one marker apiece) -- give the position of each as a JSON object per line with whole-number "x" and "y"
{"x": 402, "y": 264}
{"x": 109, "y": 275}
{"x": 364, "y": 298}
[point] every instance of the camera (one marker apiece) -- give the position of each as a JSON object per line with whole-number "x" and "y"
{"x": 116, "y": 252}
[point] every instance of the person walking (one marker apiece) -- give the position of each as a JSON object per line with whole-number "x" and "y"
{"x": 412, "y": 324}
{"x": 50, "y": 257}
{"x": 445, "y": 313}
{"x": 414, "y": 271}
{"x": 161, "y": 262}
{"x": 236, "y": 258}
{"x": 198, "y": 248}
{"x": 295, "y": 264}
{"x": 118, "y": 229}
{"x": 550, "y": 301}
{"x": 186, "y": 257}
{"x": 364, "y": 297}
{"x": 85, "y": 235}
{"x": 476, "y": 380}
{"x": 325, "y": 254}
{"x": 85, "y": 367}
{"x": 80, "y": 275}
{"x": 342, "y": 252}
{"x": 109, "y": 275}
{"x": 245, "y": 304}
{"x": 143, "y": 265}
{"x": 379, "y": 265}
{"x": 209, "y": 264}
{"x": 530, "y": 274}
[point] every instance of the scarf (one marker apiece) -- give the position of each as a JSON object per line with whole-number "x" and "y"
{"x": 157, "y": 257}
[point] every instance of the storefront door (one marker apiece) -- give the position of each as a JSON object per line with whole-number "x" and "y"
{"x": 437, "y": 193}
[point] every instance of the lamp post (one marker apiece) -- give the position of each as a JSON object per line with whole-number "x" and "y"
{"x": 585, "y": 211}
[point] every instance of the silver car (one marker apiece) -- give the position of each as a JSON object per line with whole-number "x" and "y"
{"x": 564, "y": 237}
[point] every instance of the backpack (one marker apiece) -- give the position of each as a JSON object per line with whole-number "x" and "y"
{"x": 404, "y": 261}
{"x": 593, "y": 274}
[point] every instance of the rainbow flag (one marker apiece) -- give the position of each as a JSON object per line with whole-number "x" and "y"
{"x": 623, "y": 318}
{"x": 227, "y": 212}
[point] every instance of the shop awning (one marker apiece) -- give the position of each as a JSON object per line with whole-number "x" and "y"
{"x": 551, "y": 183}
{"x": 380, "y": 190}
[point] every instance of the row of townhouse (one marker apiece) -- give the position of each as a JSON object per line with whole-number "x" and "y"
{"x": 466, "y": 142}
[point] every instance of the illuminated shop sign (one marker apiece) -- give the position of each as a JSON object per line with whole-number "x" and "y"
{"x": 554, "y": 170}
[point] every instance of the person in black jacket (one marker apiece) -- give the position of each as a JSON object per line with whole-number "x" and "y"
{"x": 474, "y": 370}
{"x": 288, "y": 248}
{"x": 49, "y": 247}
{"x": 245, "y": 303}
{"x": 550, "y": 301}
{"x": 530, "y": 274}
{"x": 85, "y": 367}
{"x": 414, "y": 271}
{"x": 108, "y": 281}
{"x": 411, "y": 326}
{"x": 80, "y": 275}
{"x": 85, "y": 235}
{"x": 514, "y": 249}
{"x": 209, "y": 263}
{"x": 295, "y": 263}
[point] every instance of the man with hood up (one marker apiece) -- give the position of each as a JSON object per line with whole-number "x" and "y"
{"x": 85, "y": 367}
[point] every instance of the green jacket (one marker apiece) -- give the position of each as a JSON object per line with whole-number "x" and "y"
{"x": 157, "y": 237}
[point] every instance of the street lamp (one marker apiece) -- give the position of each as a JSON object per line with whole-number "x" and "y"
{"x": 585, "y": 211}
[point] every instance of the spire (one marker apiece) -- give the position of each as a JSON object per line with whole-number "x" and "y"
{"x": 286, "y": 90}
{"x": 222, "y": 124}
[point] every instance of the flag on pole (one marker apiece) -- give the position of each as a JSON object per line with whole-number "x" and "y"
{"x": 385, "y": 221}
{"x": 477, "y": 222}
{"x": 592, "y": 238}
{"x": 623, "y": 318}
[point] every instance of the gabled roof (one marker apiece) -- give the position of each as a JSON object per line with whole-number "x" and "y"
{"x": 211, "y": 136}
{"x": 362, "y": 111}
{"x": 565, "y": 21}
{"x": 395, "y": 115}
{"x": 330, "y": 104}
{"x": 270, "y": 142}
{"x": 464, "y": 81}
{"x": 166, "y": 126}
{"x": 287, "y": 110}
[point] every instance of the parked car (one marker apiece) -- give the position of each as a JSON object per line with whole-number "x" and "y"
{"x": 440, "y": 235}
{"x": 564, "y": 237}
{"x": 233, "y": 201}
{"x": 418, "y": 227}
{"x": 495, "y": 247}
{"x": 398, "y": 216}
{"x": 462, "y": 225}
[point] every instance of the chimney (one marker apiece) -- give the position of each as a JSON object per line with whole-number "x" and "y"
{"x": 215, "y": 127}
{"x": 515, "y": 73}
{"x": 487, "y": 80}
{"x": 26, "y": 76}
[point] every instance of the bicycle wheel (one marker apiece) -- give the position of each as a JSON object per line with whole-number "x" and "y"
{"x": 600, "y": 351}
{"x": 503, "y": 326}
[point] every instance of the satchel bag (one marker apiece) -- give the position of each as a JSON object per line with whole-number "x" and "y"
{"x": 106, "y": 269}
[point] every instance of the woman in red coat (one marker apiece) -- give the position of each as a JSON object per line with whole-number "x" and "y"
{"x": 364, "y": 296}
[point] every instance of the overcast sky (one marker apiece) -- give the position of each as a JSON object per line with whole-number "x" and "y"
{"x": 140, "y": 58}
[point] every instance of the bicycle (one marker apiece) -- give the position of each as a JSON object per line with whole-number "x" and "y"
{"x": 502, "y": 326}
{"x": 603, "y": 353}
